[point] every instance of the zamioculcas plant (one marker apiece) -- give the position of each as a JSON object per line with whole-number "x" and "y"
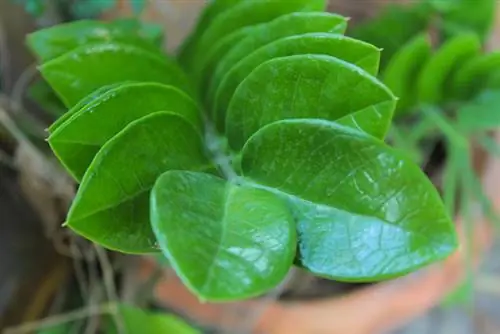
{"x": 264, "y": 149}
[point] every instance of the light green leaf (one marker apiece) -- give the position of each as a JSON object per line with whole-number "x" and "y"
{"x": 55, "y": 41}
{"x": 263, "y": 34}
{"x": 111, "y": 206}
{"x": 432, "y": 83}
{"x": 358, "y": 53}
{"x": 364, "y": 212}
{"x": 136, "y": 320}
{"x": 404, "y": 67}
{"x": 302, "y": 86}
{"x": 247, "y": 13}
{"x": 474, "y": 75}
{"x": 225, "y": 241}
{"x": 76, "y": 146}
{"x": 78, "y": 73}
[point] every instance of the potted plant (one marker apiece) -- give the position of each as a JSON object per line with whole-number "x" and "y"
{"x": 263, "y": 150}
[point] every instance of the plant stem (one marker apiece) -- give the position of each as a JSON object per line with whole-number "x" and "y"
{"x": 217, "y": 147}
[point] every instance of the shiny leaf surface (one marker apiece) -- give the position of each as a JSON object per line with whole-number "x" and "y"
{"x": 374, "y": 120}
{"x": 75, "y": 146}
{"x": 78, "y": 73}
{"x": 364, "y": 212}
{"x": 358, "y": 53}
{"x": 225, "y": 241}
{"x": 302, "y": 86}
{"x": 263, "y": 34}
{"x": 111, "y": 206}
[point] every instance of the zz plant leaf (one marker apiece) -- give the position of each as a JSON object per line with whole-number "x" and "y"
{"x": 300, "y": 175}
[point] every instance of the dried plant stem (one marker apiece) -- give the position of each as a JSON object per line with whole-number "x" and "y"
{"x": 110, "y": 287}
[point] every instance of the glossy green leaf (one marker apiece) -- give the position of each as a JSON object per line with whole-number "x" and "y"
{"x": 433, "y": 80}
{"x": 474, "y": 74}
{"x": 358, "y": 53}
{"x": 209, "y": 13}
{"x": 225, "y": 241}
{"x": 82, "y": 103}
{"x": 136, "y": 320}
{"x": 55, "y": 41}
{"x": 248, "y": 13}
{"x": 301, "y": 86}
{"x": 393, "y": 27}
{"x": 111, "y": 206}
{"x": 76, "y": 146}
{"x": 374, "y": 120}
{"x": 481, "y": 114}
{"x": 364, "y": 212}
{"x": 78, "y": 73}
{"x": 263, "y": 34}
{"x": 404, "y": 67}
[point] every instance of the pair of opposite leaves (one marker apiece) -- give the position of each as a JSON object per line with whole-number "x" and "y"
{"x": 351, "y": 224}
{"x": 456, "y": 71}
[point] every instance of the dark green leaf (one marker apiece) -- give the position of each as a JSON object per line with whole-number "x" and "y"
{"x": 358, "y": 53}
{"x": 55, "y": 41}
{"x": 76, "y": 146}
{"x": 263, "y": 34}
{"x": 111, "y": 206}
{"x": 44, "y": 96}
{"x": 244, "y": 14}
{"x": 205, "y": 67}
{"x": 432, "y": 84}
{"x": 474, "y": 75}
{"x": 302, "y": 86}
{"x": 78, "y": 73}
{"x": 209, "y": 13}
{"x": 404, "y": 67}
{"x": 225, "y": 241}
{"x": 364, "y": 212}
{"x": 136, "y": 320}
